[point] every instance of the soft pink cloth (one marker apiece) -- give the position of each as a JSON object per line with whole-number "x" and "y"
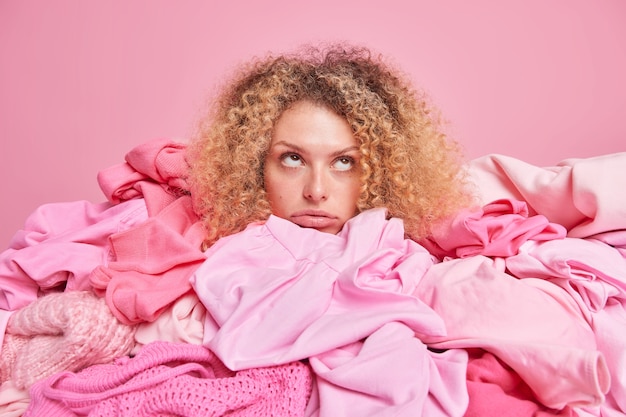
{"x": 182, "y": 322}
{"x": 173, "y": 379}
{"x": 496, "y": 390}
{"x": 594, "y": 274}
{"x": 61, "y": 331}
{"x": 377, "y": 377}
{"x": 277, "y": 292}
{"x": 590, "y": 270}
{"x": 609, "y": 326}
{"x": 152, "y": 264}
{"x": 531, "y": 325}
{"x": 13, "y": 401}
{"x": 59, "y": 246}
{"x": 616, "y": 238}
{"x": 584, "y": 195}
{"x": 497, "y": 229}
{"x": 155, "y": 170}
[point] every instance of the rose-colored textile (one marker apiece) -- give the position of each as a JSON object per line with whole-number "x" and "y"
{"x": 13, "y": 401}
{"x": 531, "y": 325}
{"x": 58, "y": 332}
{"x": 173, "y": 379}
{"x": 277, "y": 292}
{"x": 497, "y": 229}
{"x": 155, "y": 171}
{"x": 182, "y": 322}
{"x": 585, "y": 195}
{"x": 594, "y": 274}
{"x": 59, "y": 246}
{"x": 496, "y": 390}
{"x": 152, "y": 264}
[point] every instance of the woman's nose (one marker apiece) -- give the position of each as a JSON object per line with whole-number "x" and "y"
{"x": 316, "y": 186}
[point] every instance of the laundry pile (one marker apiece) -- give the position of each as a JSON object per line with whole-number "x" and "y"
{"x": 515, "y": 307}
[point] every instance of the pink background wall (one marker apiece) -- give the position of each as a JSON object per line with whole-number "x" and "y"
{"x": 81, "y": 83}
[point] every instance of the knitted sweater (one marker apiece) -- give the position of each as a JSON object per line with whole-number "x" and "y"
{"x": 61, "y": 332}
{"x": 173, "y": 379}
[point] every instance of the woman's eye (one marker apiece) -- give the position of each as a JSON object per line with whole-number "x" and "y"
{"x": 344, "y": 163}
{"x": 291, "y": 160}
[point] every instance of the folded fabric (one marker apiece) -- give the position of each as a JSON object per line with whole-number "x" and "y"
{"x": 155, "y": 170}
{"x": 13, "y": 401}
{"x": 62, "y": 331}
{"x": 59, "y": 246}
{"x": 496, "y": 390}
{"x": 583, "y": 194}
{"x": 182, "y": 322}
{"x": 590, "y": 270}
{"x": 531, "y": 325}
{"x": 173, "y": 379}
{"x": 152, "y": 264}
{"x": 277, "y": 292}
{"x": 497, "y": 229}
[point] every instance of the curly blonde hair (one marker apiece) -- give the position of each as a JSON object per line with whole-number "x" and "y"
{"x": 408, "y": 164}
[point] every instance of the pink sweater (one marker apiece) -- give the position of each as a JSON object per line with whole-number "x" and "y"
{"x": 172, "y": 379}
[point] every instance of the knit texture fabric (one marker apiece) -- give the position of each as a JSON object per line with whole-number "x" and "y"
{"x": 61, "y": 331}
{"x": 11, "y": 346}
{"x": 173, "y": 379}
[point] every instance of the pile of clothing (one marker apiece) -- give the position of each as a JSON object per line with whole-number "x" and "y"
{"x": 515, "y": 307}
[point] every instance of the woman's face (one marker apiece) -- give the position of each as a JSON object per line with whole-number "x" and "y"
{"x": 312, "y": 171}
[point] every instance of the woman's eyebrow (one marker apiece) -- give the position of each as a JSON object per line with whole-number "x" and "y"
{"x": 344, "y": 151}
{"x": 300, "y": 149}
{"x": 287, "y": 145}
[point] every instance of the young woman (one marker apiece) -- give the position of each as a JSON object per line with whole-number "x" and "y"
{"x": 318, "y": 136}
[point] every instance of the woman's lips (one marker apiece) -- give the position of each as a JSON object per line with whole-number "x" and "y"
{"x": 314, "y": 219}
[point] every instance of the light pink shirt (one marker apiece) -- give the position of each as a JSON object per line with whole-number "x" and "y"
{"x": 277, "y": 292}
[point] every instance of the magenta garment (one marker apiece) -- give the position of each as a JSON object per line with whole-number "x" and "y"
{"x": 497, "y": 229}
{"x": 172, "y": 379}
{"x": 277, "y": 292}
{"x": 62, "y": 242}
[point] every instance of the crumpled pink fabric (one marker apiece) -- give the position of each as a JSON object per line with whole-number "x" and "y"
{"x": 590, "y": 270}
{"x": 497, "y": 229}
{"x": 172, "y": 379}
{"x": 13, "y": 401}
{"x": 59, "y": 246}
{"x": 277, "y": 292}
{"x": 530, "y": 324}
{"x": 58, "y": 332}
{"x": 496, "y": 390}
{"x": 152, "y": 264}
{"x": 609, "y": 326}
{"x": 594, "y": 274}
{"x": 182, "y": 322}
{"x": 156, "y": 170}
{"x": 616, "y": 239}
{"x": 583, "y": 194}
